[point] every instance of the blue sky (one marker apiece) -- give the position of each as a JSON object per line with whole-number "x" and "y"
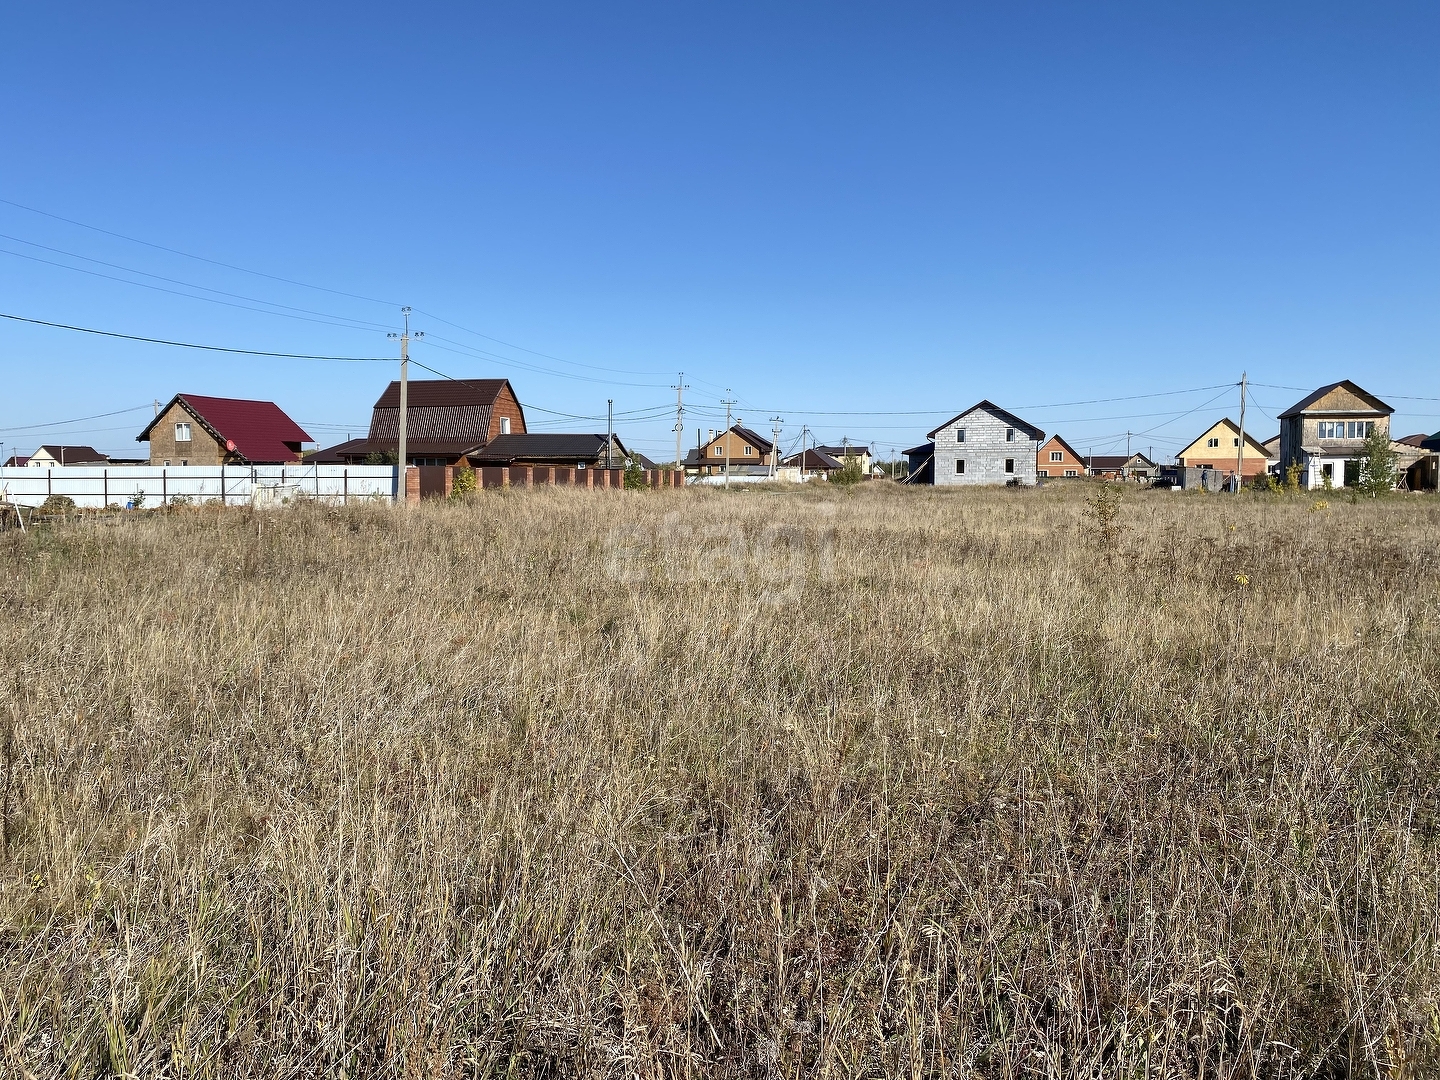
{"x": 860, "y": 218}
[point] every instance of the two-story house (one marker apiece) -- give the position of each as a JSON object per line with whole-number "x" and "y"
{"x": 1325, "y": 432}
{"x": 447, "y": 422}
{"x": 745, "y": 452}
{"x": 985, "y": 445}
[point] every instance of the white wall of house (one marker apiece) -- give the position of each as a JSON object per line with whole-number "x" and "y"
{"x": 985, "y": 451}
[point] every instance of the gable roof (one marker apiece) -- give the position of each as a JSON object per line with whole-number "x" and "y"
{"x": 1116, "y": 461}
{"x": 1376, "y": 405}
{"x": 16, "y": 460}
{"x": 72, "y": 455}
{"x": 923, "y": 448}
{"x": 1417, "y": 441}
{"x": 260, "y": 430}
{"x": 1226, "y": 422}
{"x": 838, "y": 452}
{"x": 995, "y": 410}
{"x": 814, "y": 458}
{"x": 1056, "y": 438}
{"x": 548, "y": 446}
{"x": 759, "y": 441}
{"x": 429, "y": 393}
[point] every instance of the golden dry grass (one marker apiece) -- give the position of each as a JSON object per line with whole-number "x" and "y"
{"x": 545, "y": 785}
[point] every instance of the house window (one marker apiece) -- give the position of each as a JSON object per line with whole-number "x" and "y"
{"x": 504, "y": 425}
{"x": 719, "y": 451}
{"x": 749, "y": 450}
{"x": 1056, "y": 455}
{"x": 1234, "y": 442}
{"x": 959, "y": 434}
{"x": 1327, "y": 470}
{"x": 1211, "y": 444}
{"x": 959, "y": 466}
{"x": 1043, "y": 472}
{"x": 183, "y": 461}
{"x": 167, "y": 463}
{"x": 1009, "y": 434}
{"x": 182, "y": 432}
{"x": 1009, "y": 464}
{"x": 1071, "y": 472}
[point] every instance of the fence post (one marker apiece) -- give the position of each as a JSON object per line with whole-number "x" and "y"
{"x": 164, "y": 486}
{"x": 49, "y": 481}
{"x": 345, "y": 488}
{"x": 224, "y": 498}
{"x": 105, "y": 486}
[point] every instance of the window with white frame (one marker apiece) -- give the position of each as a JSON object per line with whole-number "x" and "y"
{"x": 1009, "y": 434}
{"x": 182, "y": 432}
{"x": 1056, "y": 455}
{"x": 1043, "y": 472}
{"x": 1071, "y": 472}
{"x": 504, "y": 425}
{"x": 1212, "y": 443}
{"x": 749, "y": 450}
{"x": 1235, "y": 442}
{"x": 719, "y": 451}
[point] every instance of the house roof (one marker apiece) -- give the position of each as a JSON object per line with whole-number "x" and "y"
{"x": 815, "y": 458}
{"x": 1117, "y": 461}
{"x": 1432, "y": 443}
{"x": 1303, "y": 405}
{"x": 923, "y": 448}
{"x": 259, "y": 430}
{"x": 837, "y": 452}
{"x": 429, "y": 393}
{"x": 337, "y": 454}
{"x": 1069, "y": 449}
{"x": 548, "y": 446}
{"x": 1417, "y": 441}
{"x": 16, "y": 459}
{"x": 72, "y": 455}
{"x": 759, "y": 441}
{"x": 1226, "y": 422}
{"x": 995, "y": 410}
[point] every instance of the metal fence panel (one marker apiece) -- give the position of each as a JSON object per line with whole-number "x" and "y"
{"x": 234, "y": 485}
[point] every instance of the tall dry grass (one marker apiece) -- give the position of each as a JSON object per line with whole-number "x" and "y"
{"x": 492, "y": 788}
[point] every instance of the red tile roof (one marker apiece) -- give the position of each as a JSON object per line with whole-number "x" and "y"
{"x": 256, "y": 430}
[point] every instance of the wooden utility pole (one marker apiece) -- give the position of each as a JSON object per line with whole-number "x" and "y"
{"x": 775, "y": 447}
{"x": 400, "y": 450}
{"x": 1240, "y": 452}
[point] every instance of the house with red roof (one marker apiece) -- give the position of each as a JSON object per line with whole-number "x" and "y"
{"x": 197, "y": 430}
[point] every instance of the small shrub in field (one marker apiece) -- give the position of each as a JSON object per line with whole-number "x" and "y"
{"x": 464, "y": 483}
{"x": 635, "y": 477}
{"x": 57, "y": 504}
{"x": 851, "y": 472}
{"x": 1103, "y": 508}
{"x": 1292, "y": 477}
{"x": 1378, "y": 472}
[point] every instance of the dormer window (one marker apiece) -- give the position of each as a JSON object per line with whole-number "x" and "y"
{"x": 504, "y": 425}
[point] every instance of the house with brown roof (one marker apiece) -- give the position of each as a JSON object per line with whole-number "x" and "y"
{"x": 584, "y": 451}
{"x": 447, "y": 422}
{"x": 1057, "y": 458}
{"x": 197, "y": 430}
{"x": 1121, "y": 466}
{"x": 52, "y": 456}
{"x": 745, "y": 452}
{"x": 1324, "y": 433}
{"x": 815, "y": 461}
{"x": 1417, "y": 462}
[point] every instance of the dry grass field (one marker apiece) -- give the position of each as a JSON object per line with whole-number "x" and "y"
{"x": 867, "y": 782}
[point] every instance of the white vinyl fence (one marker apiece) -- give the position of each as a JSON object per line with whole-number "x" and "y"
{"x": 234, "y": 485}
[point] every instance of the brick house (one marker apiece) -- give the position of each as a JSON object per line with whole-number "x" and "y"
{"x": 1219, "y": 446}
{"x": 447, "y": 422}
{"x": 197, "y": 430}
{"x": 1057, "y": 458}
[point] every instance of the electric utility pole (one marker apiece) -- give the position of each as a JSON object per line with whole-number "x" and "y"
{"x": 679, "y": 389}
{"x": 609, "y": 430}
{"x": 400, "y": 455}
{"x": 727, "y": 403}
{"x": 804, "y": 431}
{"x": 1240, "y": 452}
{"x": 775, "y": 447}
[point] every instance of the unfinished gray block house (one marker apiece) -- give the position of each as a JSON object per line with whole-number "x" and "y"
{"x": 985, "y": 445}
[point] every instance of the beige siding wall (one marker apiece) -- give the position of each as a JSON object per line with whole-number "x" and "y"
{"x": 202, "y": 449}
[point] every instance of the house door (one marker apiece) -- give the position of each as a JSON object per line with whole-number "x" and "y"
{"x": 1327, "y": 471}
{"x": 1352, "y": 473}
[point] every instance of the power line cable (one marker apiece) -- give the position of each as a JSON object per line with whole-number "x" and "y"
{"x": 198, "y": 258}
{"x": 77, "y": 420}
{"x": 177, "y": 281}
{"x": 193, "y": 345}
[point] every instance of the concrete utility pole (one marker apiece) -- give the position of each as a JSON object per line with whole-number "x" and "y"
{"x": 804, "y": 431}
{"x": 400, "y": 450}
{"x": 1240, "y": 452}
{"x": 679, "y": 389}
{"x": 609, "y": 430}
{"x": 775, "y": 447}
{"x": 728, "y": 402}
